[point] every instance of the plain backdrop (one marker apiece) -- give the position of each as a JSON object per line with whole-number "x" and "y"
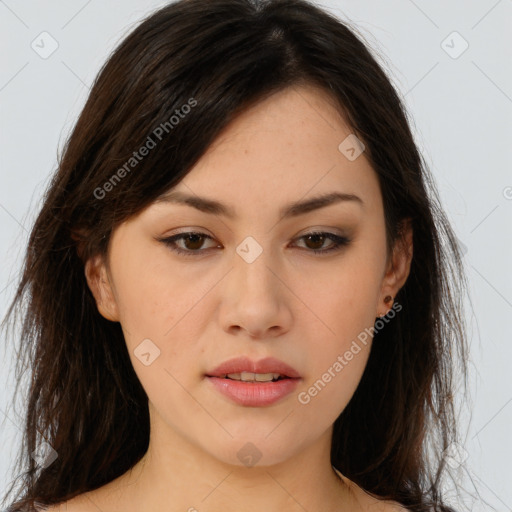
{"x": 450, "y": 61}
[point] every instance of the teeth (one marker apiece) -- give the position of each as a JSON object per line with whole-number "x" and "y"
{"x": 253, "y": 377}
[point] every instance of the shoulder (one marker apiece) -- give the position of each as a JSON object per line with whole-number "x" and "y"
{"x": 379, "y": 505}
{"x": 78, "y": 504}
{"x": 112, "y": 497}
{"x": 368, "y": 502}
{"x": 396, "y": 507}
{"x": 376, "y": 505}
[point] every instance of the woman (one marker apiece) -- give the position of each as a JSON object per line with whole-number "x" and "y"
{"x": 241, "y": 294}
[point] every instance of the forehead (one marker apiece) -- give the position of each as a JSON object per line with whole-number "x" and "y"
{"x": 290, "y": 146}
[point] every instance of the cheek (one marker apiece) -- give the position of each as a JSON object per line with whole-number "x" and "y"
{"x": 342, "y": 298}
{"x": 162, "y": 313}
{"x": 328, "y": 392}
{"x": 157, "y": 319}
{"x": 338, "y": 358}
{"x": 150, "y": 295}
{"x": 343, "y": 301}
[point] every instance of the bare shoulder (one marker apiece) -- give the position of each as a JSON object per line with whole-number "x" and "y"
{"x": 378, "y": 505}
{"x": 111, "y": 496}
{"x": 395, "y": 507}
{"x": 80, "y": 503}
{"x": 367, "y": 502}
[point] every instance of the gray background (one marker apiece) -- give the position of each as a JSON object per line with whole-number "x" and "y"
{"x": 461, "y": 109}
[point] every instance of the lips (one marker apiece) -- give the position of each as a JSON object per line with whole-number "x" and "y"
{"x": 246, "y": 365}
{"x": 248, "y": 383}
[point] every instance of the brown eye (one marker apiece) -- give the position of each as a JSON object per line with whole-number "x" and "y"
{"x": 314, "y": 241}
{"x": 192, "y": 242}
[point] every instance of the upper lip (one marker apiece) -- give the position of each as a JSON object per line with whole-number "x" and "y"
{"x": 244, "y": 364}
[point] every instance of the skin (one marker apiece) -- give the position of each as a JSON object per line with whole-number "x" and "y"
{"x": 300, "y": 307}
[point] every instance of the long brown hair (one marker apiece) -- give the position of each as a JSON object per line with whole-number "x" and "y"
{"x": 219, "y": 57}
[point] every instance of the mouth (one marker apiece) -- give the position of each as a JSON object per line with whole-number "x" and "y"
{"x": 254, "y": 383}
{"x": 253, "y": 377}
{"x": 245, "y": 369}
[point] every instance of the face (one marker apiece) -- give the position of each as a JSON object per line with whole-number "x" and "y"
{"x": 255, "y": 282}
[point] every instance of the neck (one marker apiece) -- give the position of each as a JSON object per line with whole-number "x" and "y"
{"x": 182, "y": 475}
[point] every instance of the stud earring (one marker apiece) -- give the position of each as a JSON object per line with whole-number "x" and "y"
{"x": 387, "y": 299}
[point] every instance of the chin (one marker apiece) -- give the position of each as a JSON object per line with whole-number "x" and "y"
{"x": 251, "y": 450}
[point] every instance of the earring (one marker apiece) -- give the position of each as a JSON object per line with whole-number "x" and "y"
{"x": 387, "y": 299}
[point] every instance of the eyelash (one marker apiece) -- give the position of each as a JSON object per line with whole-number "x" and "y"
{"x": 339, "y": 242}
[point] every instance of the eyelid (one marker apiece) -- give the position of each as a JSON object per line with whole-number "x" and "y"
{"x": 339, "y": 241}
{"x": 198, "y": 230}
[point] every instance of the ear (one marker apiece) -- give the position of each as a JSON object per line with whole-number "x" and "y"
{"x": 101, "y": 287}
{"x": 398, "y": 268}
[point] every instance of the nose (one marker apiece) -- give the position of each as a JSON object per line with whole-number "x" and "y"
{"x": 255, "y": 297}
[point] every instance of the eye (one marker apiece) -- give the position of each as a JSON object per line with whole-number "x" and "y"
{"x": 317, "y": 239}
{"x": 193, "y": 241}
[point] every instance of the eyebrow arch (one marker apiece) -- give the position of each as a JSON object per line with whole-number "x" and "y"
{"x": 291, "y": 210}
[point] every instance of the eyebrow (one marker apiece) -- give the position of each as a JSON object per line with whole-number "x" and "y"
{"x": 293, "y": 209}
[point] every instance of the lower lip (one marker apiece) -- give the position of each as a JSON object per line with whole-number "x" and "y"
{"x": 254, "y": 394}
